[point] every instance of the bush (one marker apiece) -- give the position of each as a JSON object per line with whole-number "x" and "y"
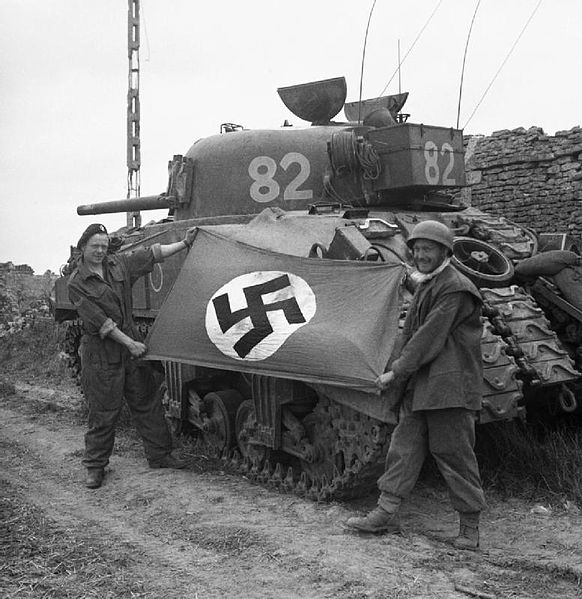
{"x": 33, "y": 350}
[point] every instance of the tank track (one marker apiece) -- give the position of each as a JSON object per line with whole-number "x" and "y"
{"x": 540, "y": 357}
{"x": 515, "y": 241}
{"x": 502, "y": 390}
{"x": 566, "y": 324}
{"x": 360, "y": 443}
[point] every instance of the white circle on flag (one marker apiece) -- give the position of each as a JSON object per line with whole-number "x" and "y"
{"x": 250, "y": 317}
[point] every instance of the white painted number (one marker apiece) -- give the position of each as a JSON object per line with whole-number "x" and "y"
{"x": 264, "y": 188}
{"x": 431, "y": 166}
{"x": 432, "y": 171}
{"x": 448, "y": 149}
{"x": 291, "y": 192}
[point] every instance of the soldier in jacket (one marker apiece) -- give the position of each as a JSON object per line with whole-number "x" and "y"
{"x": 439, "y": 366}
{"x": 101, "y": 290}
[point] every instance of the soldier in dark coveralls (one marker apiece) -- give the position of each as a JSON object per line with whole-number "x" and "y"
{"x": 100, "y": 289}
{"x": 439, "y": 366}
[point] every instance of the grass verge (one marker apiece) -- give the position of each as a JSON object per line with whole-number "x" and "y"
{"x": 520, "y": 461}
{"x": 42, "y": 560}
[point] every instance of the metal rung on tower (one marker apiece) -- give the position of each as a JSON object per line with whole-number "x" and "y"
{"x": 133, "y": 141}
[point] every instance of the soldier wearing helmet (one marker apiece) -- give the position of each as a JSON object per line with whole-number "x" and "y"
{"x": 439, "y": 368}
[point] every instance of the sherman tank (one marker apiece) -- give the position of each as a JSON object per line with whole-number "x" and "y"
{"x": 338, "y": 198}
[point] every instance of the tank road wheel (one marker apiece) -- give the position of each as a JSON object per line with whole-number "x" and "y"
{"x": 484, "y": 264}
{"x": 245, "y": 424}
{"x": 219, "y": 424}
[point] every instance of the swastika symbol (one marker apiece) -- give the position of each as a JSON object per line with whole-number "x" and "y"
{"x": 257, "y": 311}
{"x": 251, "y": 316}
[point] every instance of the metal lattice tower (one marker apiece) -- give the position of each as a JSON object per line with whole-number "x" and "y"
{"x": 133, "y": 141}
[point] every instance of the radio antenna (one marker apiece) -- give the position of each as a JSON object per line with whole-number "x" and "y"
{"x": 412, "y": 46}
{"x": 399, "y": 79}
{"x": 504, "y": 61}
{"x": 363, "y": 59}
{"x": 464, "y": 58}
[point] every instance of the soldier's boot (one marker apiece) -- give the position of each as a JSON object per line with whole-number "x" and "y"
{"x": 468, "y": 537}
{"x": 378, "y": 520}
{"x": 94, "y": 478}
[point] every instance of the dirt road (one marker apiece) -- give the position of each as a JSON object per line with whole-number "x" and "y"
{"x": 205, "y": 533}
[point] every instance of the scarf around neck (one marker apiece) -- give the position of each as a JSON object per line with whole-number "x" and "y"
{"x": 419, "y": 278}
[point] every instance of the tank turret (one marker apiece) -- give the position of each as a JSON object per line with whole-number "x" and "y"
{"x": 372, "y": 159}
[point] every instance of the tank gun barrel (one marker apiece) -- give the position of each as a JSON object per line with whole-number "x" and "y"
{"x": 156, "y": 202}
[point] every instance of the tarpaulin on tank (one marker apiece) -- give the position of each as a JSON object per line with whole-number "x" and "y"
{"x": 238, "y": 307}
{"x": 288, "y": 232}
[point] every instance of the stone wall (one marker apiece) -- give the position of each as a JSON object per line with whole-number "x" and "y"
{"x": 529, "y": 177}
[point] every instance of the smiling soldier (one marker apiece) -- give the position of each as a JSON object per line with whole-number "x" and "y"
{"x": 440, "y": 368}
{"x": 101, "y": 290}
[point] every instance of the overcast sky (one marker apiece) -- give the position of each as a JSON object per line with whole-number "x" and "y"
{"x": 63, "y": 85}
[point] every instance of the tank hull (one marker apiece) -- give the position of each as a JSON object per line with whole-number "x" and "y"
{"x": 351, "y": 194}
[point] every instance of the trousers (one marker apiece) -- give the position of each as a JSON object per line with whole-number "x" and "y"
{"x": 105, "y": 384}
{"x": 449, "y": 435}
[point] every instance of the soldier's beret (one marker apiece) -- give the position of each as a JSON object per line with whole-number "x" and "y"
{"x": 91, "y": 230}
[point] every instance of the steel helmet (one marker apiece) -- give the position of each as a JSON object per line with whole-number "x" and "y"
{"x": 434, "y": 231}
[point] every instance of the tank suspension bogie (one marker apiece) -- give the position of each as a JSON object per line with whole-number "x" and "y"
{"x": 347, "y": 456}
{"x": 218, "y": 418}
